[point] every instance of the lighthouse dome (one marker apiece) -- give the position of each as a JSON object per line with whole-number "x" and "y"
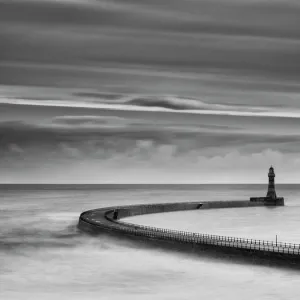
{"x": 271, "y": 171}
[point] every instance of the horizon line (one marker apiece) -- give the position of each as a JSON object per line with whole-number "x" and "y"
{"x": 209, "y": 183}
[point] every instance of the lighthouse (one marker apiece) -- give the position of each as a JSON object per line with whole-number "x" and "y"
{"x": 271, "y": 197}
{"x": 271, "y": 187}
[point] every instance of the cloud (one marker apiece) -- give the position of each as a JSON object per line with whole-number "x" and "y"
{"x": 225, "y": 17}
{"x": 203, "y": 36}
{"x": 134, "y": 58}
{"x": 14, "y": 148}
{"x": 101, "y": 137}
{"x": 162, "y": 103}
{"x": 161, "y": 165}
{"x": 140, "y": 152}
{"x": 183, "y": 104}
{"x": 76, "y": 122}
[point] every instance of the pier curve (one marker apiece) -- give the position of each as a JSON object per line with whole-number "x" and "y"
{"x": 109, "y": 220}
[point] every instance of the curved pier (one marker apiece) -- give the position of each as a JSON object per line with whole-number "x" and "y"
{"x": 108, "y": 220}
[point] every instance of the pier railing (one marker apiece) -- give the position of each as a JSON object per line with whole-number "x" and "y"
{"x": 220, "y": 238}
{"x": 199, "y": 238}
{"x": 104, "y": 219}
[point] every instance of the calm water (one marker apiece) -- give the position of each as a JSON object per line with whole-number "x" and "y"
{"x": 43, "y": 255}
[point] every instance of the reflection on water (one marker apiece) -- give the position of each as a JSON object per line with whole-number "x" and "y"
{"x": 42, "y": 254}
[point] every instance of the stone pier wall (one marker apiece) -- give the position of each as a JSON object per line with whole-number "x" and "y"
{"x": 135, "y": 210}
{"x": 100, "y": 220}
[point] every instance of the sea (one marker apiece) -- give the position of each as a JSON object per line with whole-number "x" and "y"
{"x": 43, "y": 255}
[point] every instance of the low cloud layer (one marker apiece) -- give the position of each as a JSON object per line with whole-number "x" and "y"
{"x": 98, "y": 149}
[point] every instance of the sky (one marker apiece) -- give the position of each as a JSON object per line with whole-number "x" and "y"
{"x": 149, "y": 91}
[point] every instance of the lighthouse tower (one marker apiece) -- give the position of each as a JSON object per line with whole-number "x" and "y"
{"x": 271, "y": 198}
{"x": 271, "y": 187}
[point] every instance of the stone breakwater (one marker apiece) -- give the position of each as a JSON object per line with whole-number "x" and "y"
{"x": 106, "y": 220}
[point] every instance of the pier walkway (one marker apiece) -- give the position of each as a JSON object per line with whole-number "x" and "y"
{"x": 104, "y": 219}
